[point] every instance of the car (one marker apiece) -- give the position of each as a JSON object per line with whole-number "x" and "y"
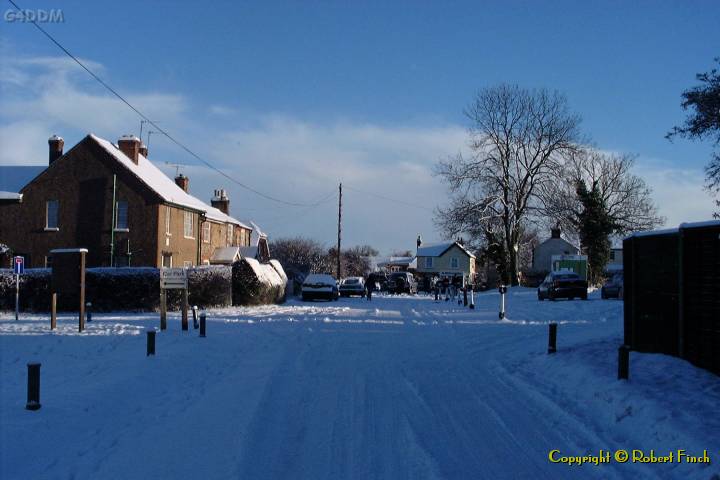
{"x": 613, "y": 288}
{"x": 562, "y": 284}
{"x": 402, "y": 282}
{"x": 319, "y": 286}
{"x": 352, "y": 286}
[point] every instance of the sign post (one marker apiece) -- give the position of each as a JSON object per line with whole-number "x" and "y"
{"x": 173, "y": 279}
{"x": 18, "y": 268}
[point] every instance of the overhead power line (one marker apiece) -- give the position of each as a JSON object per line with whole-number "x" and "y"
{"x": 154, "y": 124}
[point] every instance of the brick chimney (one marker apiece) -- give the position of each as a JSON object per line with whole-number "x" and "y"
{"x": 555, "y": 232}
{"x": 56, "y": 148}
{"x": 143, "y": 149}
{"x": 221, "y": 201}
{"x": 183, "y": 182}
{"x": 130, "y": 146}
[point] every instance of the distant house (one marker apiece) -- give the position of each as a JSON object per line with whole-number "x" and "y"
{"x": 398, "y": 264}
{"x": 113, "y": 201}
{"x": 615, "y": 264}
{"x": 555, "y": 245}
{"x": 448, "y": 259}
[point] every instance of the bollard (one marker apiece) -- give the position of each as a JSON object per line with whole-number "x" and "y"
{"x": 150, "y": 342}
{"x": 88, "y": 307}
{"x": 465, "y": 300}
{"x": 623, "y": 362}
{"x": 53, "y": 312}
{"x": 195, "y": 319}
{"x": 503, "y": 291}
{"x": 202, "y": 323}
{"x": 33, "y": 388}
{"x": 552, "y": 338}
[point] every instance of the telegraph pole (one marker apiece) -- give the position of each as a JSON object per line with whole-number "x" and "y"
{"x": 339, "y": 230}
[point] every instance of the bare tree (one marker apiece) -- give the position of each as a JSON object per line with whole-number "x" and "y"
{"x": 302, "y": 256}
{"x": 626, "y": 196}
{"x": 517, "y": 137}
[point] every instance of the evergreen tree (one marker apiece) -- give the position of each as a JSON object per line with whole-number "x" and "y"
{"x": 595, "y": 228}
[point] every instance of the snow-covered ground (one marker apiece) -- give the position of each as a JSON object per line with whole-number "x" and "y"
{"x": 400, "y": 387}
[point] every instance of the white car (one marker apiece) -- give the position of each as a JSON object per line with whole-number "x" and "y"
{"x": 319, "y": 285}
{"x": 352, "y": 286}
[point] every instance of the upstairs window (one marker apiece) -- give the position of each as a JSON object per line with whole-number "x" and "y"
{"x": 454, "y": 263}
{"x": 206, "y": 232}
{"x": 167, "y": 221}
{"x": 51, "y": 214}
{"x": 188, "y": 229}
{"x": 428, "y": 262}
{"x": 230, "y": 232}
{"x": 121, "y": 215}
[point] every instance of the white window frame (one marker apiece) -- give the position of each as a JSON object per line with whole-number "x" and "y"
{"x": 206, "y": 232}
{"x": 189, "y": 224}
{"x": 118, "y": 227}
{"x": 187, "y": 264}
{"x": 167, "y": 221}
{"x": 428, "y": 262}
{"x": 454, "y": 262}
{"x": 56, "y": 227}
{"x": 170, "y": 257}
{"x": 230, "y": 234}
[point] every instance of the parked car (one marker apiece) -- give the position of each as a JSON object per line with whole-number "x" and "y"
{"x": 352, "y": 286}
{"x": 319, "y": 285}
{"x": 562, "y": 284}
{"x": 613, "y": 288}
{"x": 402, "y": 282}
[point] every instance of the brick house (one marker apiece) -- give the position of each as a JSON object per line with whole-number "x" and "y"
{"x": 113, "y": 201}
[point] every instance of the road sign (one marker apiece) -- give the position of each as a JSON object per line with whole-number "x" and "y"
{"x": 173, "y": 278}
{"x": 18, "y": 265}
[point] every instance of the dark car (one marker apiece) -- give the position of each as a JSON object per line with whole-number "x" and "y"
{"x": 613, "y": 288}
{"x": 562, "y": 284}
{"x": 402, "y": 282}
{"x": 352, "y": 286}
{"x": 378, "y": 280}
{"x": 319, "y": 285}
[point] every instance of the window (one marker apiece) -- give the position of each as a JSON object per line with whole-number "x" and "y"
{"x": 167, "y": 260}
{"x": 51, "y": 214}
{"x": 206, "y": 232}
{"x": 48, "y": 262}
{"x": 230, "y": 231}
{"x": 189, "y": 231}
{"x": 612, "y": 254}
{"x": 167, "y": 221}
{"x": 187, "y": 264}
{"x": 121, "y": 215}
{"x": 454, "y": 262}
{"x": 428, "y": 262}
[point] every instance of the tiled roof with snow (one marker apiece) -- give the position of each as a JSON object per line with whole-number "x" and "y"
{"x": 157, "y": 181}
{"x": 437, "y": 249}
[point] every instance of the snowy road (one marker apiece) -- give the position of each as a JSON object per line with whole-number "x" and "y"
{"x": 401, "y": 387}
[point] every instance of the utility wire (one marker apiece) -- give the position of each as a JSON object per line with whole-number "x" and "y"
{"x": 160, "y": 130}
{"x": 387, "y": 198}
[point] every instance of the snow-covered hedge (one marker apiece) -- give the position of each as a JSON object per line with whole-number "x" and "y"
{"x": 138, "y": 288}
{"x": 256, "y": 283}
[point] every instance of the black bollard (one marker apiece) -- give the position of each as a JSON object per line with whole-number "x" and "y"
{"x": 88, "y": 307}
{"x": 623, "y": 362}
{"x": 150, "y": 342}
{"x": 552, "y": 340}
{"x": 202, "y": 323}
{"x": 465, "y": 301}
{"x": 33, "y": 388}
{"x": 195, "y": 319}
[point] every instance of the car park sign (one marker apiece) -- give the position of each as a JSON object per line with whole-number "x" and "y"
{"x": 173, "y": 278}
{"x": 18, "y": 265}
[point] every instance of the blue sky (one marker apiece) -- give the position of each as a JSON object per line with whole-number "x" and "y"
{"x": 293, "y": 97}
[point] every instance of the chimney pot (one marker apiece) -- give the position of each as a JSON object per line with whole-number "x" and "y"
{"x": 143, "y": 149}
{"x": 130, "y": 146}
{"x": 56, "y": 145}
